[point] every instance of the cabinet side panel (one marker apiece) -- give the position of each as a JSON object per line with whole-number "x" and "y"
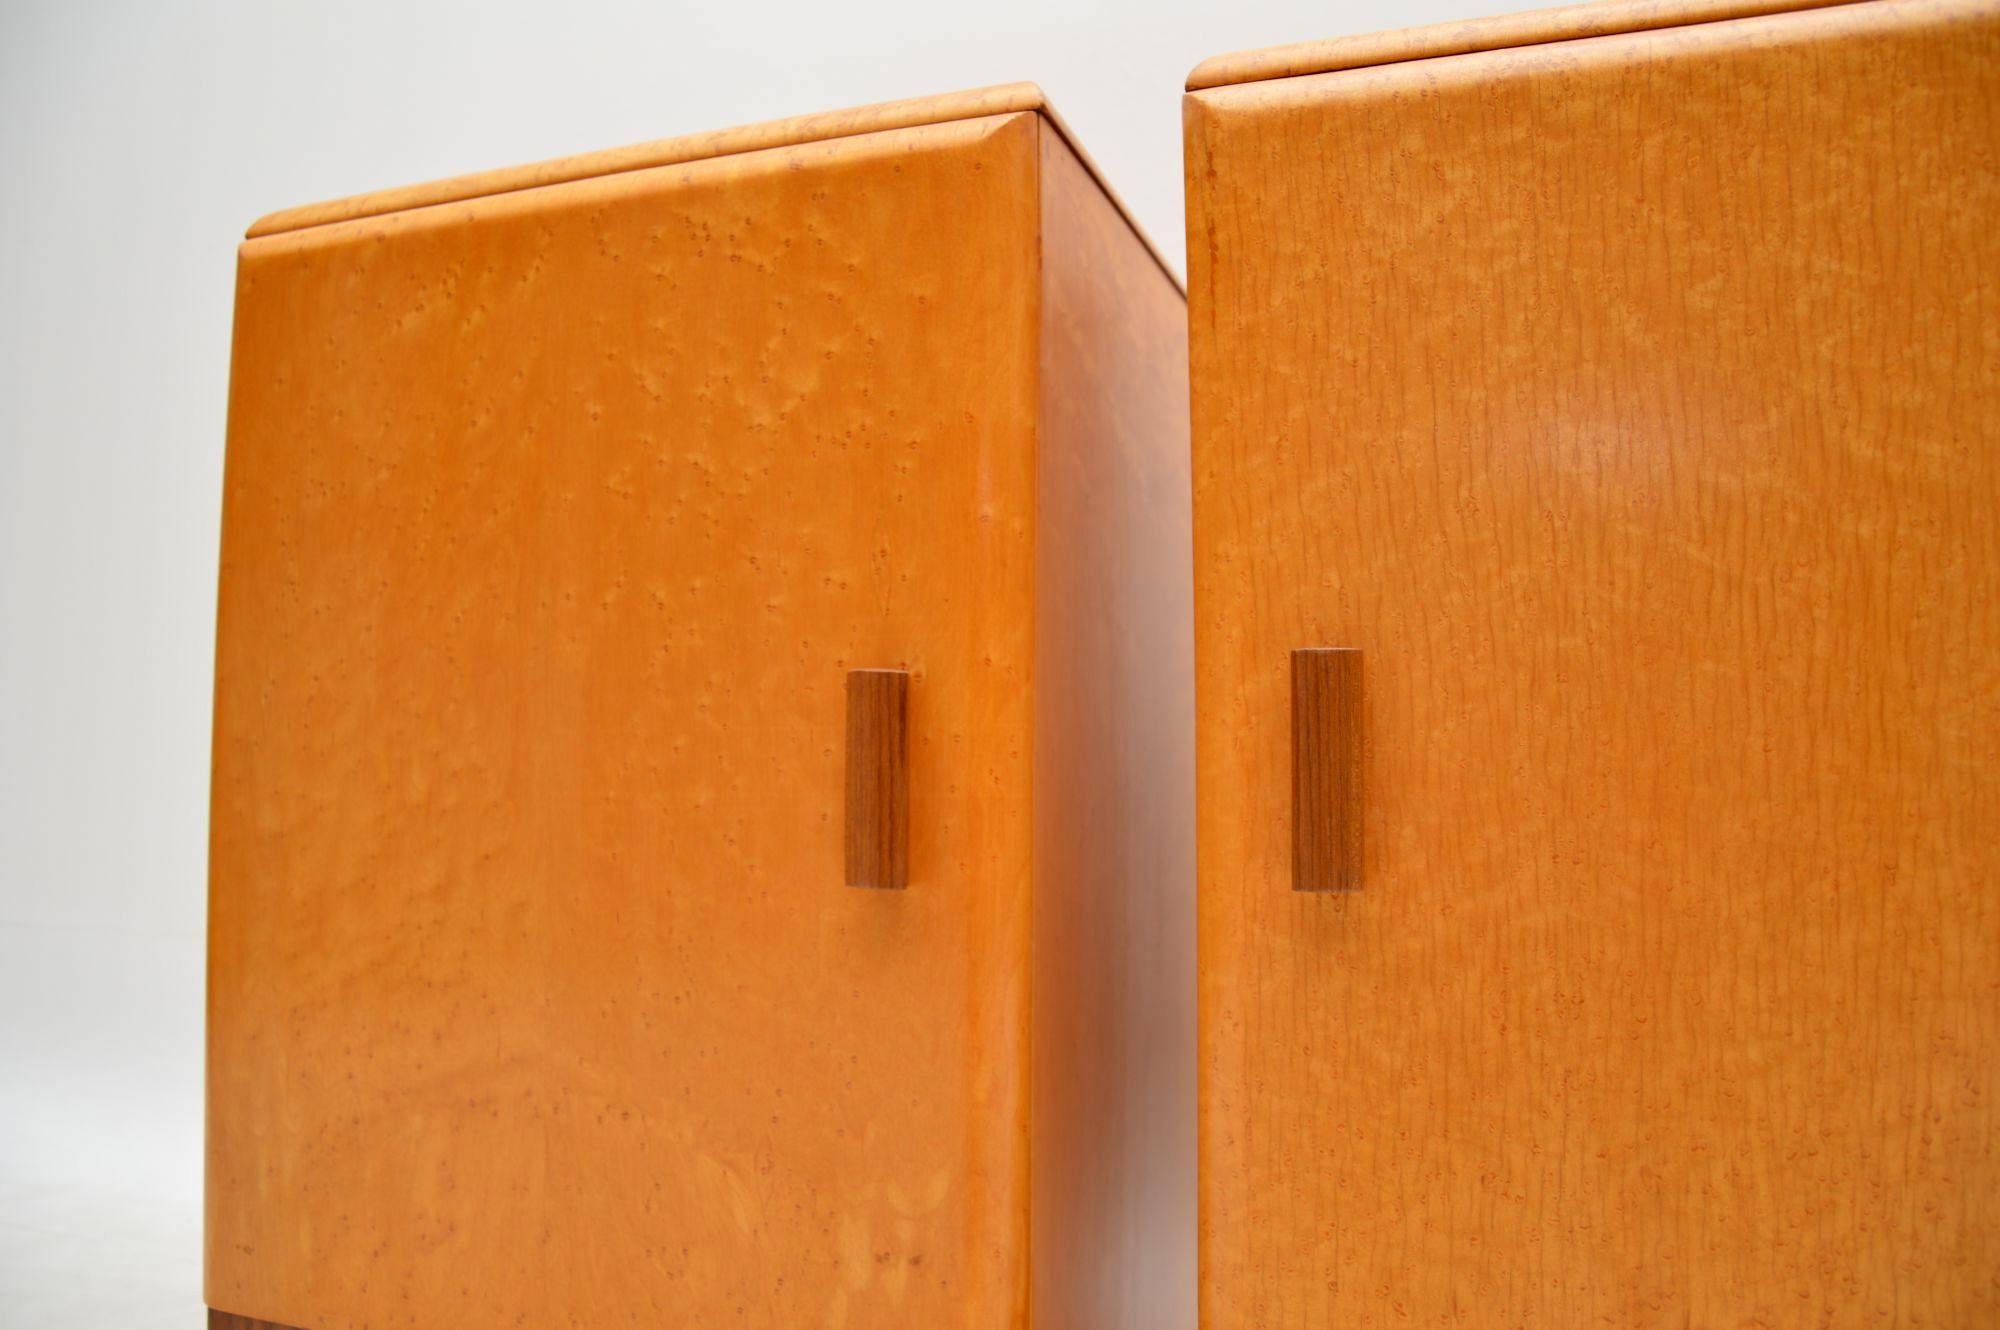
{"x": 554, "y": 523}
{"x": 1633, "y": 406}
{"x": 1113, "y": 1064}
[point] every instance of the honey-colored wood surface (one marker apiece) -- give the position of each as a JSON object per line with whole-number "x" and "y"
{"x": 1327, "y": 805}
{"x": 1114, "y": 1222}
{"x": 553, "y": 521}
{"x": 792, "y": 132}
{"x": 1534, "y": 27}
{"x": 1633, "y": 404}
{"x": 878, "y": 779}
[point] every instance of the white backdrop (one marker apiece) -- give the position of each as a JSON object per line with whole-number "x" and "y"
{"x": 136, "y": 142}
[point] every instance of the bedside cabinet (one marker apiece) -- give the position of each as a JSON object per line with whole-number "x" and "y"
{"x": 702, "y": 821}
{"x": 1597, "y": 547}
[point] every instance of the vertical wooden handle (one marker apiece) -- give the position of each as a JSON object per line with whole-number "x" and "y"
{"x": 1326, "y": 769}
{"x": 878, "y": 778}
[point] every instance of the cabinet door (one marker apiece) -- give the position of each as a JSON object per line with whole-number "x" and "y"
{"x": 1633, "y": 406}
{"x": 554, "y": 522}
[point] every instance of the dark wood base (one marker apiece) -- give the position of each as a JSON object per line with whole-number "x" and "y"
{"x": 231, "y": 1321}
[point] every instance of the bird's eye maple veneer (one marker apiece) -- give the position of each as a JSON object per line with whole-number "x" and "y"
{"x": 1621, "y": 384}
{"x": 562, "y": 505}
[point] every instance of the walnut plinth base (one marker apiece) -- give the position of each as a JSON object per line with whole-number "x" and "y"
{"x": 231, "y": 1321}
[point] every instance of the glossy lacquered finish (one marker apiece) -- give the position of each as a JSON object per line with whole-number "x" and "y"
{"x": 1632, "y": 403}
{"x": 560, "y": 505}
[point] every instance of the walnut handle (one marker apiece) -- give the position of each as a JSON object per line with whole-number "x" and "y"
{"x": 1326, "y": 769}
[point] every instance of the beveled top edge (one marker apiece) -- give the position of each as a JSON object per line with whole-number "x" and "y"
{"x": 818, "y": 127}
{"x": 1531, "y": 28}
{"x": 789, "y": 132}
{"x": 1068, "y": 136}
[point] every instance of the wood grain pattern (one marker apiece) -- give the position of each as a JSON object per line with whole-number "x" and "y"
{"x": 1327, "y": 807}
{"x": 877, "y": 842}
{"x": 1536, "y": 27}
{"x": 825, "y": 126}
{"x": 1635, "y": 403}
{"x": 553, "y": 520}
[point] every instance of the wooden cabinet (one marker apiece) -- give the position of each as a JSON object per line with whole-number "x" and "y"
{"x": 561, "y": 504}
{"x": 1623, "y": 385}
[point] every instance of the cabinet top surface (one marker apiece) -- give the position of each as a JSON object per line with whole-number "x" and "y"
{"x": 1533, "y": 28}
{"x": 820, "y": 127}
